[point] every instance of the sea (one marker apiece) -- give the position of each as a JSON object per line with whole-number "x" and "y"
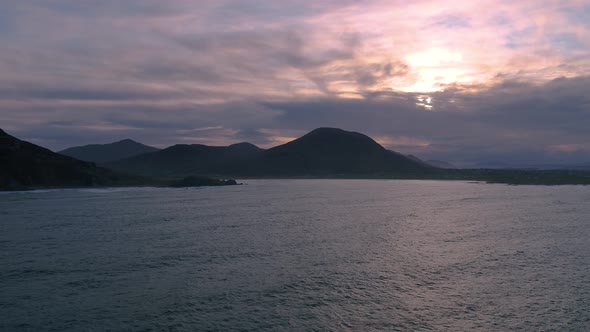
{"x": 297, "y": 255}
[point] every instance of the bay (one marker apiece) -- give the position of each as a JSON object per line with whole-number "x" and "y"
{"x": 274, "y": 255}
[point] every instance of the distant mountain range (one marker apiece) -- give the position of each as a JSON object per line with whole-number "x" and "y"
{"x": 440, "y": 164}
{"x": 104, "y": 153}
{"x": 322, "y": 152}
{"x": 24, "y": 165}
{"x": 199, "y": 159}
{"x": 186, "y": 160}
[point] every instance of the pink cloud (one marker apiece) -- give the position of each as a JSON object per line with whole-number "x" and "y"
{"x": 221, "y": 63}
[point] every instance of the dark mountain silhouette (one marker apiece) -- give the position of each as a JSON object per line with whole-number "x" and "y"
{"x": 104, "y": 153}
{"x": 416, "y": 159}
{"x": 322, "y": 152}
{"x": 331, "y": 151}
{"x": 25, "y": 165}
{"x": 184, "y": 160}
{"x": 440, "y": 164}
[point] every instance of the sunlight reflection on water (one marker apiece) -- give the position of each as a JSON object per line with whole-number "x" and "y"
{"x": 298, "y": 254}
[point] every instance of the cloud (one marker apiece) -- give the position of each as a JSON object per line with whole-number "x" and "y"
{"x": 491, "y": 79}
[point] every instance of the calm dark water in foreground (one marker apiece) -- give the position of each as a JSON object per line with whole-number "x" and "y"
{"x": 297, "y": 255}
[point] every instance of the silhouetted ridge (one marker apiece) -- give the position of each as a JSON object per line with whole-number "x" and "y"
{"x": 325, "y": 152}
{"x": 441, "y": 164}
{"x": 321, "y": 152}
{"x": 332, "y": 151}
{"x": 332, "y": 141}
{"x": 245, "y": 147}
{"x": 105, "y": 153}
{"x": 185, "y": 160}
{"x": 24, "y": 165}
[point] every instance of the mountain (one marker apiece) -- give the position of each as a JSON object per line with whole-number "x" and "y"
{"x": 104, "y": 153}
{"x": 332, "y": 152}
{"x": 427, "y": 163}
{"x": 185, "y": 160}
{"x": 322, "y": 152}
{"x": 440, "y": 164}
{"x": 24, "y": 165}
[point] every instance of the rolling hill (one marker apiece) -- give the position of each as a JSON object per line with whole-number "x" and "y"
{"x": 105, "y": 153}
{"x": 322, "y": 152}
{"x": 185, "y": 160}
{"x": 329, "y": 152}
{"x": 25, "y": 165}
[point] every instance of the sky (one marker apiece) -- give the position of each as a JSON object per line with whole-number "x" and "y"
{"x": 460, "y": 81}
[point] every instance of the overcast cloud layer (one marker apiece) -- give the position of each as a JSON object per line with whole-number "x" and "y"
{"x": 488, "y": 80}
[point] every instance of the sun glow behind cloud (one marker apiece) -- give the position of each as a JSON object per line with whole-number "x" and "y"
{"x": 435, "y": 68}
{"x": 342, "y": 48}
{"x": 246, "y": 66}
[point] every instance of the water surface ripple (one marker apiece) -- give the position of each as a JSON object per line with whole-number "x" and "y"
{"x": 327, "y": 255}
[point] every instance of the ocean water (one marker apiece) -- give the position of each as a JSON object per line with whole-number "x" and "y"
{"x": 275, "y": 255}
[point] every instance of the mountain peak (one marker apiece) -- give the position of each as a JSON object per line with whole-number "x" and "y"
{"x": 329, "y": 131}
{"x": 334, "y": 151}
{"x": 335, "y": 138}
{"x": 245, "y": 146}
{"x": 127, "y": 140}
{"x": 104, "y": 153}
{"x": 322, "y": 152}
{"x": 189, "y": 160}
